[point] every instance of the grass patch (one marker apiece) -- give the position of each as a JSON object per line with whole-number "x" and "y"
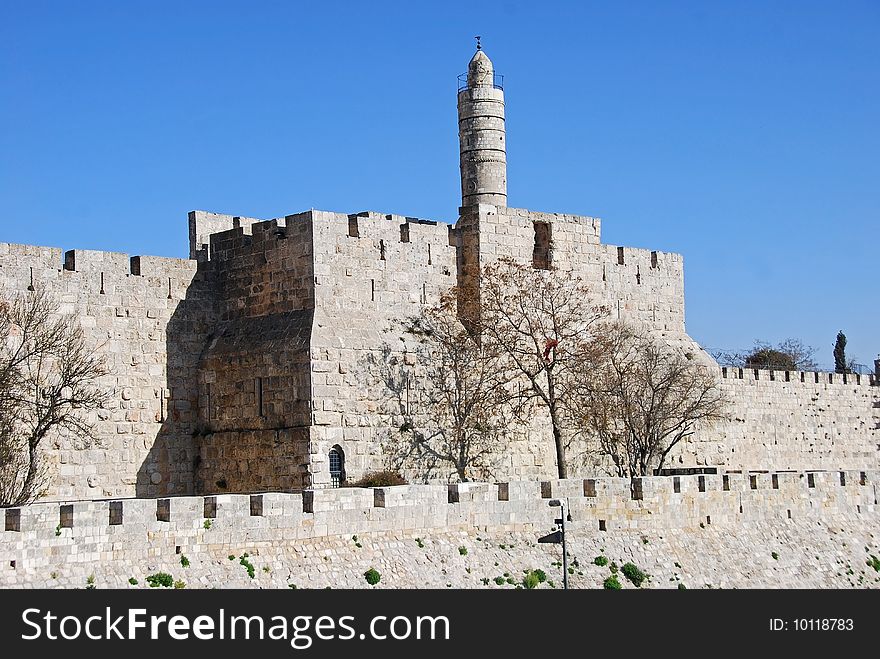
{"x": 162, "y": 579}
{"x": 633, "y": 574}
{"x": 611, "y": 583}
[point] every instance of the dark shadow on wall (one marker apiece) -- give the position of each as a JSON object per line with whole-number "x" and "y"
{"x": 168, "y": 468}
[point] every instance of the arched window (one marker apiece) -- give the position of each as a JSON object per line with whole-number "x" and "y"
{"x": 337, "y": 466}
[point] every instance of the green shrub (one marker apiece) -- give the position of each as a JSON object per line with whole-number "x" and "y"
{"x": 634, "y": 574}
{"x": 613, "y": 568}
{"x": 180, "y": 584}
{"x": 531, "y": 581}
{"x": 681, "y": 586}
{"x": 247, "y": 565}
{"x": 774, "y": 555}
{"x": 292, "y": 586}
{"x": 420, "y": 543}
{"x": 611, "y": 583}
{"x": 231, "y": 557}
{"x": 58, "y": 530}
{"x": 384, "y": 478}
{"x": 874, "y": 563}
{"x": 133, "y": 581}
{"x": 499, "y": 581}
{"x": 90, "y": 582}
{"x": 542, "y": 576}
{"x": 160, "y": 579}
{"x": 207, "y": 524}
{"x": 184, "y": 561}
{"x": 601, "y": 561}
{"x": 511, "y": 581}
{"x": 462, "y": 550}
{"x": 372, "y": 576}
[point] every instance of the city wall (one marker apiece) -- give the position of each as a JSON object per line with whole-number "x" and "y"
{"x": 148, "y": 317}
{"x": 301, "y": 537}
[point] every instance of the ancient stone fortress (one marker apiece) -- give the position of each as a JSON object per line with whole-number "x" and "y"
{"x": 242, "y": 370}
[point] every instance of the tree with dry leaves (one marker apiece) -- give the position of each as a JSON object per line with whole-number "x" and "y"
{"x": 450, "y": 396}
{"x": 48, "y": 382}
{"x": 644, "y": 397}
{"x": 540, "y": 323}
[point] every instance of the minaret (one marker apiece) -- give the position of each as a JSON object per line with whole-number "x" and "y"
{"x": 483, "y": 149}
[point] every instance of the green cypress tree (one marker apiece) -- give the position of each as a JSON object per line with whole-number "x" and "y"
{"x": 840, "y": 353}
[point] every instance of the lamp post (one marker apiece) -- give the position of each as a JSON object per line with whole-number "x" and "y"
{"x": 558, "y": 503}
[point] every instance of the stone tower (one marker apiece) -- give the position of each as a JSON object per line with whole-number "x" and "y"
{"x": 483, "y": 150}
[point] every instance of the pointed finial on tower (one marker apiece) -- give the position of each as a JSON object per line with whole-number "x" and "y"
{"x": 479, "y": 47}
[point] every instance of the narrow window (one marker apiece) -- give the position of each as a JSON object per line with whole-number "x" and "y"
{"x": 258, "y": 393}
{"x": 353, "y": 227}
{"x": 337, "y": 466}
{"x": 163, "y": 510}
{"x": 372, "y": 290}
{"x": 541, "y": 251}
{"x": 115, "y": 513}
{"x": 653, "y": 259}
{"x": 209, "y": 404}
{"x": 638, "y": 275}
{"x": 429, "y": 253}
{"x": 404, "y": 232}
{"x": 13, "y": 519}
{"x": 382, "y": 250}
{"x": 66, "y": 516}
{"x": 620, "y": 259}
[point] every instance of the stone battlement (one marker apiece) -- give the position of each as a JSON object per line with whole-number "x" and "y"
{"x": 645, "y": 503}
{"x": 794, "y": 377}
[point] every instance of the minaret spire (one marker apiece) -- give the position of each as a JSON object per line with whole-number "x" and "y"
{"x": 481, "y": 135}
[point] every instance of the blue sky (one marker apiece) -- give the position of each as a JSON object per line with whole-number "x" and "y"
{"x": 743, "y": 135}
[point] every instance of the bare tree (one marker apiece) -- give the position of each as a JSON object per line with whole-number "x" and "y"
{"x": 644, "y": 398}
{"x": 789, "y": 355}
{"x": 47, "y": 383}
{"x": 540, "y": 323}
{"x": 450, "y": 396}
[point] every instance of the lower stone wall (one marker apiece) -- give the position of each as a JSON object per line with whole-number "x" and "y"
{"x": 739, "y": 530}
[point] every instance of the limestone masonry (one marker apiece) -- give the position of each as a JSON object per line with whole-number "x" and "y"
{"x": 245, "y": 369}
{"x": 735, "y": 530}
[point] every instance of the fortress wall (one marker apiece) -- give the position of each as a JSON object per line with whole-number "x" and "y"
{"x": 644, "y": 285}
{"x": 202, "y": 224}
{"x": 301, "y": 537}
{"x": 372, "y": 273}
{"x": 641, "y": 285}
{"x": 792, "y": 420}
{"x": 255, "y": 390}
{"x": 147, "y": 316}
